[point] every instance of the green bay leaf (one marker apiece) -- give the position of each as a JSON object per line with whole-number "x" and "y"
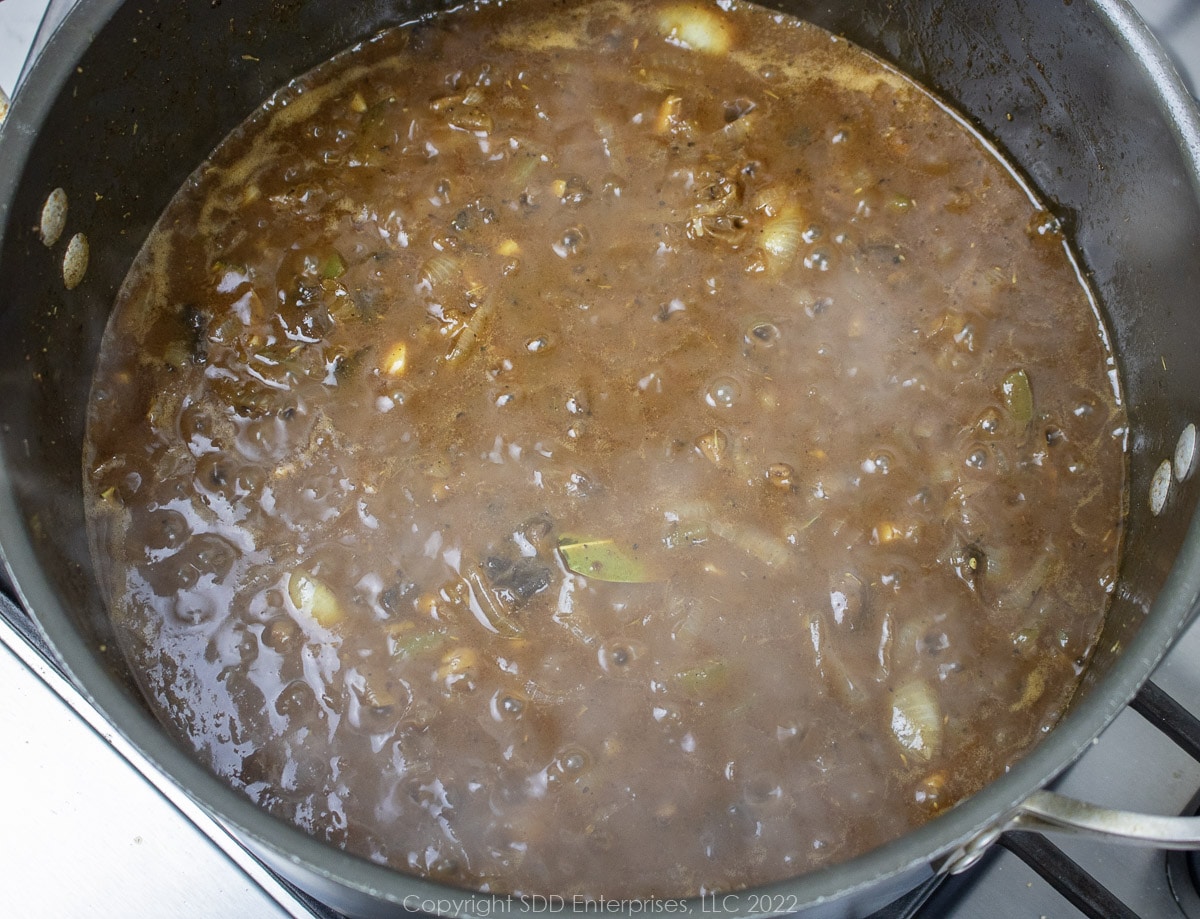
{"x": 604, "y": 560}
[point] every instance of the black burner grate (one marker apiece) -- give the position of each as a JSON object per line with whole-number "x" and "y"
{"x": 1079, "y": 888}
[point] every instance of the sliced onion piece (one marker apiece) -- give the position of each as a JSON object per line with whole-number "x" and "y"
{"x": 439, "y": 269}
{"x": 917, "y": 719}
{"x": 782, "y": 236}
{"x": 311, "y": 596}
{"x": 696, "y": 28}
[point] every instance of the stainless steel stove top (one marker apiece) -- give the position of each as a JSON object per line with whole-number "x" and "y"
{"x": 75, "y": 808}
{"x": 156, "y": 854}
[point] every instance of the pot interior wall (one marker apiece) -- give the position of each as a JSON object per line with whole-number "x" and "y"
{"x": 1063, "y": 95}
{"x": 162, "y": 83}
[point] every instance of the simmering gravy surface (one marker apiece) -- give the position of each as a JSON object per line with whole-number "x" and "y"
{"x": 625, "y": 448}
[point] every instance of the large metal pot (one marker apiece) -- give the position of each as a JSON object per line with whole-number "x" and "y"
{"x": 128, "y": 98}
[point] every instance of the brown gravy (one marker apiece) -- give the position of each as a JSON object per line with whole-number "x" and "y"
{"x": 633, "y": 448}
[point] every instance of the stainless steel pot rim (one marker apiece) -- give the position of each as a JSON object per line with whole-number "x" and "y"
{"x": 920, "y": 848}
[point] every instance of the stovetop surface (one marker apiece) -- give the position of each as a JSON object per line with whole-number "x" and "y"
{"x": 138, "y": 847}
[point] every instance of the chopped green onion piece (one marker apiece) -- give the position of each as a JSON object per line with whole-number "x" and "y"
{"x": 416, "y": 643}
{"x": 707, "y": 679}
{"x": 334, "y": 266}
{"x": 1018, "y": 396}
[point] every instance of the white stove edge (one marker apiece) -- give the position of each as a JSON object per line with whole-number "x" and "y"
{"x": 87, "y": 835}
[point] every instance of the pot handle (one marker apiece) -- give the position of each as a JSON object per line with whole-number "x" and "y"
{"x": 1051, "y": 812}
